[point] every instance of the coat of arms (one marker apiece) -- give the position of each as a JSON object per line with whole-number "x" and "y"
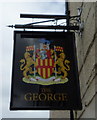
{"x": 45, "y": 65}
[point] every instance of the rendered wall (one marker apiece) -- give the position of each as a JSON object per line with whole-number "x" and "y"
{"x": 87, "y": 64}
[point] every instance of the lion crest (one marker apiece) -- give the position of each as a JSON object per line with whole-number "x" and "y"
{"x": 63, "y": 65}
{"x": 26, "y": 64}
{"x": 45, "y": 65}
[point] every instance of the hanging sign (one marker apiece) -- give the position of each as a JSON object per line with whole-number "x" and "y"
{"x": 45, "y": 73}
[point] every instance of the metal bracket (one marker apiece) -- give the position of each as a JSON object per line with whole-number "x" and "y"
{"x": 52, "y": 18}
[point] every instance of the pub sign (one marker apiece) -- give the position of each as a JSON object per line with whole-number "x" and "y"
{"x": 45, "y": 73}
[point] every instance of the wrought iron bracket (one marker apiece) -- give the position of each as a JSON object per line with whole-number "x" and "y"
{"x": 50, "y": 18}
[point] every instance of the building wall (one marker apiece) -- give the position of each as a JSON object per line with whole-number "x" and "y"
{"x": 85, "y": 44}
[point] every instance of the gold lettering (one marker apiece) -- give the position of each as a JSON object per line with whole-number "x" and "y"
{"x": 45, "y": 96}
{"x": 57, "y": 97}
{"x": 42, "y": 97}
{"x": 50, "y": 97}
{"x": 43, "y": 90}
{"x": 64, "y": 97}
{"x": 46, "y": 90}
{"x": 35, "y": 96}
{"x": 28, "y": 97}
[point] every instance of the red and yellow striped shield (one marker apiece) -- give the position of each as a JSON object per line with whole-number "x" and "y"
{"x": 45, "y": 67}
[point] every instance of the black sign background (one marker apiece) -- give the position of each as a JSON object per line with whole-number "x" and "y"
{"x": 20, "y": 88}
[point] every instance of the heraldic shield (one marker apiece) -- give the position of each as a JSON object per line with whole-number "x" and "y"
{"x": 45, "y": 67}
{"x": 45, "y": 64}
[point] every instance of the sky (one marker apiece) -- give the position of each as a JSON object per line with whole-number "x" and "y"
{"x": 10, "y": 15}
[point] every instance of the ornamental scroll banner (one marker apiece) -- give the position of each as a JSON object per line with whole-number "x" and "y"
{"x": 45, "y": 73}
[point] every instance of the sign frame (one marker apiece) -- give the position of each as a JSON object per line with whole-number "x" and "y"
{"x": 43, "y": 34}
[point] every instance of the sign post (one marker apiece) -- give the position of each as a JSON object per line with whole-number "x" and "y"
{"x": 71, "y": 115}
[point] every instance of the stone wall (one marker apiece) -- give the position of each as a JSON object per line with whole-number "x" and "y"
{"x": 85, "y": 43}
{"x": 86, "y": 56}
